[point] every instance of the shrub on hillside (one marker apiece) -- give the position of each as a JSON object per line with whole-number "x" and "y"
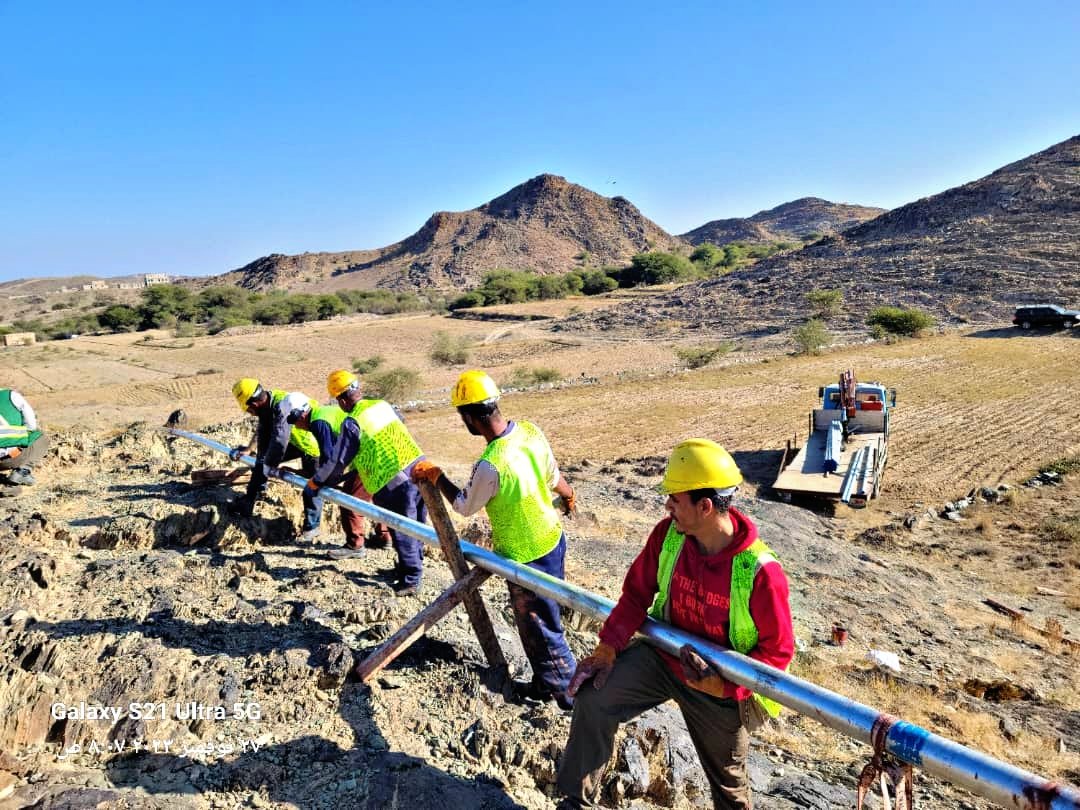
{"x": 900, "y": 321}
{"x": 449, "y": 350}
{"x": 468, "y": 300}
{"x": 825, "y": 304}
{"x": 523, "y": 377}
{"x": 700, "y": 356}
{"x": 394, "y": 385}
{"x": 707, "y": 256}
{"x": 811, "y": 337}
{"x": 367, "y": 365}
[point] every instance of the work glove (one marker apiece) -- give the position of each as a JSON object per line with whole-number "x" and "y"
{"x": 10, "y": 452}
{"x": 275, "y": 472}
{"x": 312, "y": 487}
{"x": 596, "y": 666}
{"x": 236, "y": 452}
{"x": 426, "y": 471}
{"x": 569, "y": 502}
{"x": 700, "y": 674}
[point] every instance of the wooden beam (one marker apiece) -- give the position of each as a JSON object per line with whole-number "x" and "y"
{"x": 474, "y": 603}
{"x": 418, "y": 625}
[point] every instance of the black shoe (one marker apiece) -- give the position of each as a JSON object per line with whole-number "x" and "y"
{"x": 536, "y": 692}
{"x": 241, "y": 507}
{"x": 401, "y": 589}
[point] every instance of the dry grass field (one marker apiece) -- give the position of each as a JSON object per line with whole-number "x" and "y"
{"x": 974, "y": 407}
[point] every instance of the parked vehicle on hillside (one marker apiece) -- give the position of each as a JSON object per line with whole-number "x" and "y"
{"x": 1031, "y": 315}
{"x": 847, "y": 445}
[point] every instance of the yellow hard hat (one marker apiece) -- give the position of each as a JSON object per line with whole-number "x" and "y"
{"x": 700, "y": 464}
{"x": 246, "y": 390}
{"x": 340, "y": 381}
{"x": 473, "y": 388}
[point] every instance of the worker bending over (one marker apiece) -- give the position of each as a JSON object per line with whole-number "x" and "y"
{"x": 276, "y": 441}
{"x": 324, "y": 423}
{"x": 374, "y": 441}
{"x": 513, "y": 481}
{"x": 704, "y": 570}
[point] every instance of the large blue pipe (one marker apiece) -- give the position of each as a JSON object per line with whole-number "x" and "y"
{"x": 983, "y": 775}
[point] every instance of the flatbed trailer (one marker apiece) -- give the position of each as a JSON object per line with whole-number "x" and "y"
{"x": 846, "y": 449}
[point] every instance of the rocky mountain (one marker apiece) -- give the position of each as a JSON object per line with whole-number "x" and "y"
{"x": 546, "y": 224}
{"x": 967, "y": 254}
{"x": 793, "y": 221}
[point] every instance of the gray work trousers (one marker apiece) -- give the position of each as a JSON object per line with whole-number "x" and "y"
{"x": 641, "y": 680}
{"x": 29, "y": 456}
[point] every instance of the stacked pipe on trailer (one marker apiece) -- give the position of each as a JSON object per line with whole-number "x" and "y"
{"x": 834, "y": 445}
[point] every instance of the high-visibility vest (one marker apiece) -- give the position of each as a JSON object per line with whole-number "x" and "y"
{"x": 524, "y": 524}
{"x": 386, "y": 446}
{"x": 742, "y": 632}
{"x": 299, "y": 438}
{"x": 331, "y": 414}
{"x": 13, "y": 431}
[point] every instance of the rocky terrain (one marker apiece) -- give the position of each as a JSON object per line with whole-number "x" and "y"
{"x": 124, "y": 583}
{"x": 545, "y": 224}
{"x": 798, "y": 220}
{"x": 969, "y": 254}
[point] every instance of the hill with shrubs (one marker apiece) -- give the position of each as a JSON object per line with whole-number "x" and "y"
{"x": 968, "y": 254}
{"x": 546, "y": 225}
{"x": 803, "y": 220}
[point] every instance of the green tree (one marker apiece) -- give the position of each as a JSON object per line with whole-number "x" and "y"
{"x": 221, "y": 297}
{"x": 468, "y": 300}
{"x": 707, "y": 256}
{"x": 811, "y": 337}
{"x": 164, "y": 304}
{"x": 119, "y": 318}
{"x": 900, "y": 321}
{"x": 329, "y": 305}
{"x": 825, "y": 304}
{"x": 658, "y": 268}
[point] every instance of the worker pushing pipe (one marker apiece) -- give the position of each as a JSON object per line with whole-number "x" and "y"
{"x": 998, "y": 781}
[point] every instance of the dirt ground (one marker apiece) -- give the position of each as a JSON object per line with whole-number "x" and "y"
{"x": 151, "y": 593}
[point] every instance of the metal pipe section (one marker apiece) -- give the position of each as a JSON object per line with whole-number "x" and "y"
{"x": 983, "y": 775}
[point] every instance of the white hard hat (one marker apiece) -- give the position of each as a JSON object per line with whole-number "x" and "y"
{"x": 295, "y": 401}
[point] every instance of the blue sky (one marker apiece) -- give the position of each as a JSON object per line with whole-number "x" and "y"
{"x": 191, "y": 138}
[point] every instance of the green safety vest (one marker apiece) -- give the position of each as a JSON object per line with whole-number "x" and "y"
{"x": 524, "y": 523}
{"x": 301, "y": 439}
{"x": 386, "y": 447}
{"x": 331, "y": 414}
{"x": 13, "y": 432}
{"x": 742, "y": 632}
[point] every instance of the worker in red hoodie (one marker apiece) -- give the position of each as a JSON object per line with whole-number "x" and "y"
{"x": 703, "y": 570}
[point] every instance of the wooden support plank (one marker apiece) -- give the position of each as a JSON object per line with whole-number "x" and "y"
{"x": 409, "y": 632}
{"x": 474, "y": 603}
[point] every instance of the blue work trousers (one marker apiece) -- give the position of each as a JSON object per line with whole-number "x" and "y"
{"x": 540, "y": 626}
{"x": 403, "y": 497}
{"x": 313, "y": 505}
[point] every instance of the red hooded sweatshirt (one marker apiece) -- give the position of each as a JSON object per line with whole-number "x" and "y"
{"x": 699, "y": 599}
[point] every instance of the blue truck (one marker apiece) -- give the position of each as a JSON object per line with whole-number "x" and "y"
{"x": 847, "y": 445}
